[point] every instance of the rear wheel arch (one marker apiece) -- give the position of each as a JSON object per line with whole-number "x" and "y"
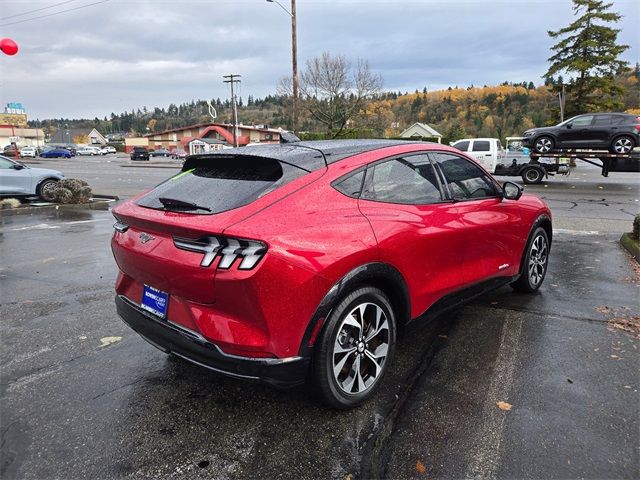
{"x": 380, "y": 275}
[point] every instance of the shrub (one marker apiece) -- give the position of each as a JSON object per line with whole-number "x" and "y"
{"x": 71, "y": 190}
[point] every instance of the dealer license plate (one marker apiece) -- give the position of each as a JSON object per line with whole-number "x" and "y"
{"x": 155, "y": 301}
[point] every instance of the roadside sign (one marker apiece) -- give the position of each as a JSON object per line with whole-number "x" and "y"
{"x": 14, "y": 139}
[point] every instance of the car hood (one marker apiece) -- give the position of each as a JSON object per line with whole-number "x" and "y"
{"x": 532, "y": 131}
{"x": 36, "y": 172}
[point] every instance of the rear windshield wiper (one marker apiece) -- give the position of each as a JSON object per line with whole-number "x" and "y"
{"x": 170, "y": 203}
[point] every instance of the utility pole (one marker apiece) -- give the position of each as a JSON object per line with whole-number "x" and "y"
{"x": 294, "y": 56}
{"x": 294, "y": 59}
{"x": 561, "y": 98}
{"x": 233, "y": 78}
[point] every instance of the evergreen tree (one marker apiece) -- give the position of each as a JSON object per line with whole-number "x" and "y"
{"x": 589, "y": 53}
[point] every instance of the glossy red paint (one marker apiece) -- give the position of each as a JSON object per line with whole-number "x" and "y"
{"x": 315, "y": 236}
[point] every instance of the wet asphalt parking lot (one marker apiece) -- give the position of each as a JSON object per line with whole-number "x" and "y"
{"x": 82, "y": 396}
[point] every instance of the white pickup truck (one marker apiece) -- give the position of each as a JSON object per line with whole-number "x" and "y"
{"x": 489, "y": 153}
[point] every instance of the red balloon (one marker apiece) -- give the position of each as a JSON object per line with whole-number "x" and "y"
{"x": 8, "y": 46}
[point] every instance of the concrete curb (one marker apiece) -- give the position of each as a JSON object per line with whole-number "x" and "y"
{"x": 631, "y": 245}
{"x": 99, "y": 203}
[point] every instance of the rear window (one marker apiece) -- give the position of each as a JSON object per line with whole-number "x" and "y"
{"x": 221, "y": 183}
{"x": 481, "y": 146}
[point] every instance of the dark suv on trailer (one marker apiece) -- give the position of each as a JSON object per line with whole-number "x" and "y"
{"x": 616, "y": 132}
{"x": 139, "y": 153}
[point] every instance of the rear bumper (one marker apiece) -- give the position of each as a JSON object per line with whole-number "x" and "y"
{"x": 171, "y": 338}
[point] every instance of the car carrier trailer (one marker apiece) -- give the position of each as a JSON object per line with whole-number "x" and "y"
{"x": 606, "y": 161}
{"x": 534, "y": 171}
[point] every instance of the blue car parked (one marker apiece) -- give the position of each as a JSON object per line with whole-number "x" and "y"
{"x": 56, "y": 153}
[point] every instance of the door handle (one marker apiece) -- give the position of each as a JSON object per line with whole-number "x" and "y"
{"x": 487, "y": 154}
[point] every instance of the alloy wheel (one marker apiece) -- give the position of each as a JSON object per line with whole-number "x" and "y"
{"x": 623, "y": 145}
{"x": 361, "y": 348}
{"x": 544, "y": 144}
{"x": 538, "y": 260}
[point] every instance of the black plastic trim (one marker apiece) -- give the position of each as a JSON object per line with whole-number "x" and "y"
{"x": 171, "y": 338}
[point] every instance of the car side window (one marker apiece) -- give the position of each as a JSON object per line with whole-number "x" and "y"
{"x": 464, "y": 179}
{"x": 582, "y": 121}
{"x": 407, "y": 180}
{"x": 4, "y": 163}
{"x": 351, "y": 185}
{"x": 603, "y": 120}
{"x": 481, "y": 146}
{"x": 462, "y": 146}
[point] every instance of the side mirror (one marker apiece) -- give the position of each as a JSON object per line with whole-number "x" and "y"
{"x": 569, "y": 125}
{"x": 511, "y": 191}
{"x": 17, "y": 166}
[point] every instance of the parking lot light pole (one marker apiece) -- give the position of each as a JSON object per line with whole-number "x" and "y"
{"x": 294, "y": 59}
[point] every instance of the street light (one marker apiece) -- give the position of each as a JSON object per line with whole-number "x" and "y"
{"x": 294, "y": 58}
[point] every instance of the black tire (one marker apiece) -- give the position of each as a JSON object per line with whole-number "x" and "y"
{"x": 375, "y": 341}
{"x": 45, "y": 188}
{"x": 532, "y": 175}
{"x": 544, "y": 144}
{"x": 622, "y": 144}
{"x": 533, "y": 272}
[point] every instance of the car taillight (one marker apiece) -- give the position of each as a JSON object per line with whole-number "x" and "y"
{"x": 229, "y": 249}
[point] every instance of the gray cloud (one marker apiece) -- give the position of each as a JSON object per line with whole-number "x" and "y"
{"x": 127, "y": 54}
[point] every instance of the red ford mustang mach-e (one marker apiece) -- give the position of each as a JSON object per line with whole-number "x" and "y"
{"x": 280, "y": 262}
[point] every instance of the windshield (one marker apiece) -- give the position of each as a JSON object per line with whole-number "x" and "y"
{"x": 219, "y": 184}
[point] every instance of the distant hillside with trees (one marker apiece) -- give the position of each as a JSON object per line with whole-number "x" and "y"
{"x": 492, "y": 111}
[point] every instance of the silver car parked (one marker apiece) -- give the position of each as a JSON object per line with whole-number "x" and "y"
{"x": 16, "y": 179}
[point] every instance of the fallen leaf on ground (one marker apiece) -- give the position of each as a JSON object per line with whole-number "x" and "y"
{"x": 504, "y": 405}
{"x": 614, "y": 356}
{"x": 420, "y": 468}
{"x": 602, "y": 309}
{"x": 442, "y": 336}
{"x": 627, "y": 386}
{"x": 109, "y": 340}
{"x": 629, "y": 325}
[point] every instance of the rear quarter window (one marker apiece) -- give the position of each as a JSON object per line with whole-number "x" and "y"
{"x": 351, "y": 185}
{"x": 222, "y": 183}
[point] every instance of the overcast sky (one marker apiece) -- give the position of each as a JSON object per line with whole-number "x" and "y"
{"x": 121, "y": 55}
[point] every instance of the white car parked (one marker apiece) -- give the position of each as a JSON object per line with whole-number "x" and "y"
{"x": 17, "y": 179}
{"x": 108, "y": 149}
{"x": 88, "y": 150}
{"x": 28, "y": 152}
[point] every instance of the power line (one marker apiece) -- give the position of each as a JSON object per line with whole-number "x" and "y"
{"x": 52, "y": 14}
{"x": 37, "y": 10}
